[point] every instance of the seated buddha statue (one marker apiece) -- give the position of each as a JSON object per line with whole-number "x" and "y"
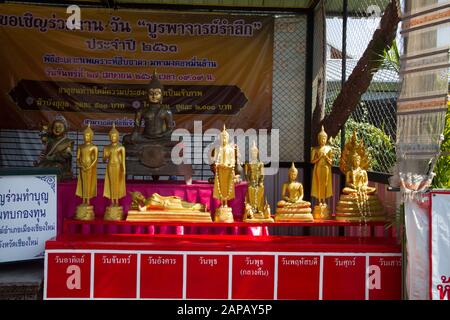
{"x": 158, "y": 121}
{"x": 255, "y": 205}
{"x": 356, "y": 178}
{"x": 358, "y": 201}
{"x": 149, "y": 148}
{"x": 163, "y": 208}
{"x": 292, "y": 207}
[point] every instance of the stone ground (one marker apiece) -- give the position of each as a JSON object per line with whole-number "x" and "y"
{"x": 22, "y": 280}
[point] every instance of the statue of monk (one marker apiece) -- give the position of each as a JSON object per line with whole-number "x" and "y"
{"x": 322, "y": 184}
{"x": 114, "y": 189}
{"x": 58, "y": 150}
{"x": 158, "y": 121}
{"x": 224, "y": 177}
{"x": 149, "y": 148}
{"x": 255, "y": 206}
{"x": 292, "y": 207}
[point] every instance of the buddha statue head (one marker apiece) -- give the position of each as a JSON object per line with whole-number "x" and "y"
{"x": 155, "y": 89}
{"x": 58, "y": 128}
{"x": 224, "y": 136}
{"x": 292, "y": 173}
{"x": 114, "y": 134}
{"x": 356, "y": 160}
{"x": 354, "y": 155}
{"x": 322, "y": 137}
{"x": 88, "y": 134}
{"x": 254, "y": 152}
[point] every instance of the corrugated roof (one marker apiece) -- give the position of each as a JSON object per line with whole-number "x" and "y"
{"x": 334, "y": 71}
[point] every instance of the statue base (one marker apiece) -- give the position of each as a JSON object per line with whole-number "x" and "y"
{"x": 224, "y": 214}
{"x": 153, "y": 158}
{"x": 294, "y": 217}
{"x": 85, "y": 212}
{"x": 258, "y": 217}
{"x": 293, "y": 214}
{"x": 162, "y": 215}
{"x": 113, "y": 213}
{"x": 321, "y": 212}
{"x": 352, "y": 207}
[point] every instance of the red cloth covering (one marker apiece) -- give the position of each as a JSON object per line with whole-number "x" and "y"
{"x": 198, "y": 191}
{"x": 224, "y": 243}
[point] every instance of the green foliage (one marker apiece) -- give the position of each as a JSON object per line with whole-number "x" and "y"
{"x": 442, "y": 168}
{"x": 380, "y": 147}
{"x": 390, "y": 58}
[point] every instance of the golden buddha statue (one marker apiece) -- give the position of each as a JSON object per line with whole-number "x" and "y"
{"x": 163, "y": 208}
{"x": 114, "y": 189}
{"x": 292, "y": 207}
{"x": 322, "y": 184}
{"x": 255, "y": 205}
{"x": 358, "y": 201}
{"x": 87, "y": 157}
{"x": 225, "y": 161}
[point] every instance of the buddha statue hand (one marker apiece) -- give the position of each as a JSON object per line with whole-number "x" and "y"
{"x": 137, "y": 200}
{"x": 248, "y": 211}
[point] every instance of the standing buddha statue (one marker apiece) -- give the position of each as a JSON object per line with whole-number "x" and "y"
{"x": 256, "y": 209}
{"x": 292, "y": 207}
{"x": 358, "y": 201}
{"x": 224, "y": 177}
{"x": 322, "y": 185}
{"x": 114, "y": 188}
{"x": 87, "y": 157}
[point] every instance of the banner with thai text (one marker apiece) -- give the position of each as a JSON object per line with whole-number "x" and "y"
{"x": 179, "y": 274}
{"x": 215, "y": 67}
{"x": 27, "y": 216}
{"x": 440, "y": 246}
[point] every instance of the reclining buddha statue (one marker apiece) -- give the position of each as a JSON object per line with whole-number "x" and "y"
{"x": 292, "y": 207}
{"x": 163, "y": 208}
{"x": 358, "y": 201}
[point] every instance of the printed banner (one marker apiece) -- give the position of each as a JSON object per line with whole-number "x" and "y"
{"x": 27, "y": 216}
{"x": 215, "y": 67}
{"x": 221, "y": 275}
{"x": 440, "y": 246}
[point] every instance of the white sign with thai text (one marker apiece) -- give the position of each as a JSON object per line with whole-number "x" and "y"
{"x": 27, "y": 215}
{"x": 440, "y": 246}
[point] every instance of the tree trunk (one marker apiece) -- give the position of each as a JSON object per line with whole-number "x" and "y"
{"x": 361, "y": 76}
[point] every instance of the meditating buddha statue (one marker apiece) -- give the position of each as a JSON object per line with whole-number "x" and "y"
{"x": 225, "y": 161}
{"x": 256, "y": 207}
{"x": 358, "y": 201}
{"x": 87, "y": 157}
{"x": 149, "y": 149}
{"x": 58, "y": 150}
{"x": 164, "y": 208}
{"x": 292, "y": 207}
{"x": 115, "y": 176}
{"x": 322, "y": 185}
